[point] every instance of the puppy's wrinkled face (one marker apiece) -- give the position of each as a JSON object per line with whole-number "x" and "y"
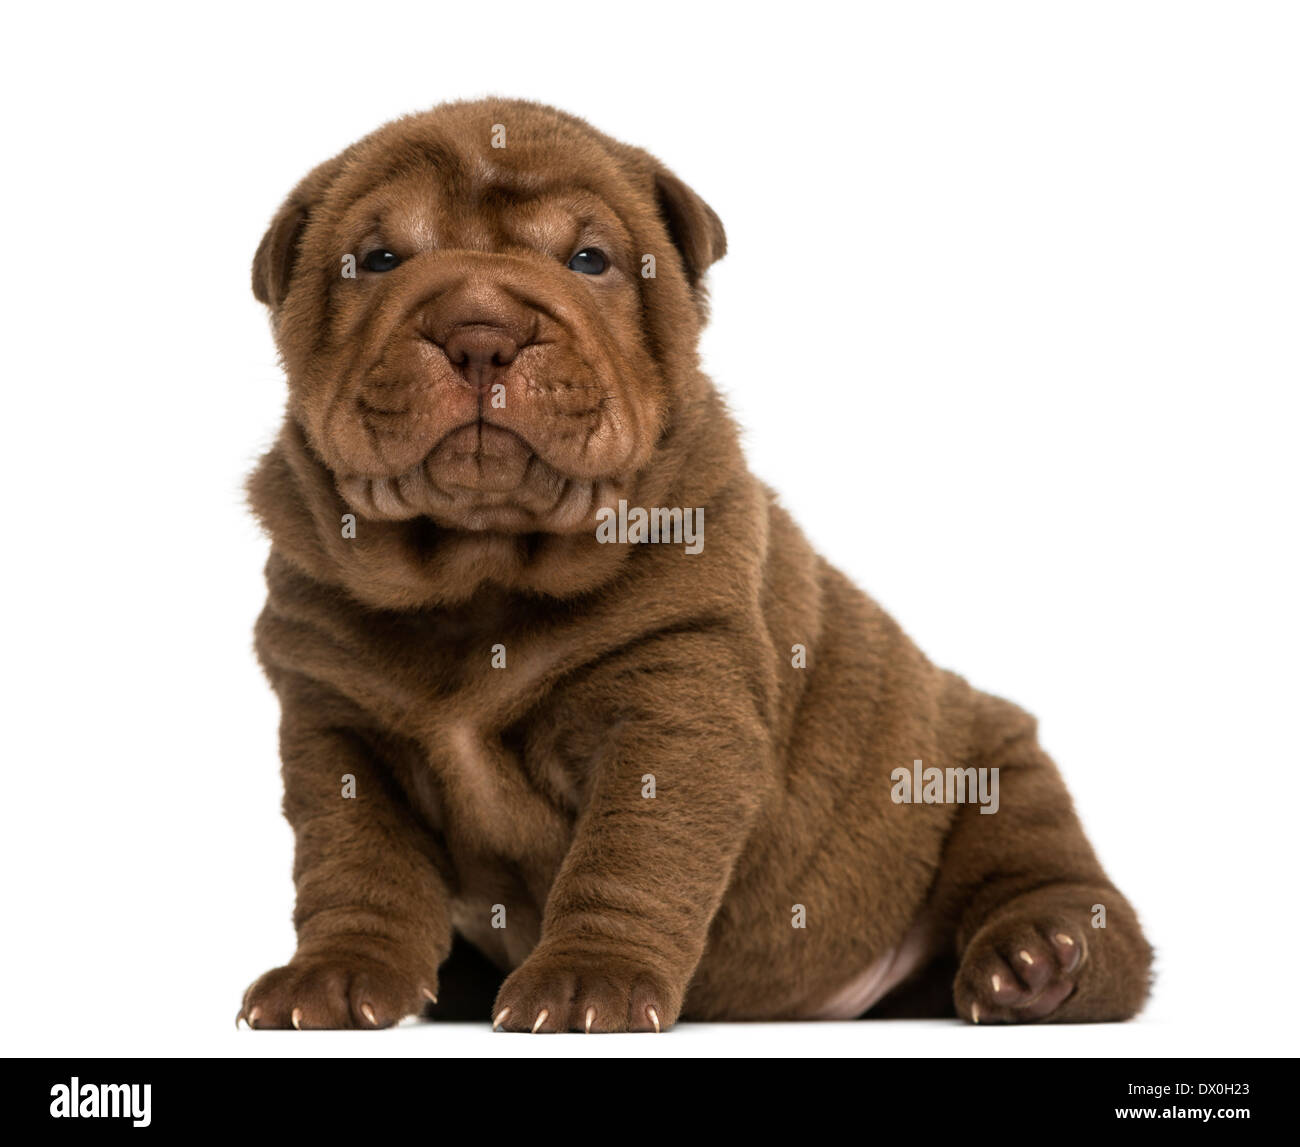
{"x": 465, "y": 331}
{"x": 485, "y": 367}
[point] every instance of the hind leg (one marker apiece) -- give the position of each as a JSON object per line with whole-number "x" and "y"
{"x": 1023, "y": 894}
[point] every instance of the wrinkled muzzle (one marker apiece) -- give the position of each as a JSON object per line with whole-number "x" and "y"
{"x": 483, "y": 391}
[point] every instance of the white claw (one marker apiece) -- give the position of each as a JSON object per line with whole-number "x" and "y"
{"x": 296, "y": 1018}
{"x": 501, "y": 1018}
{"x": 974, "y": 1013}
{"x": 254, "y": 1016}
{"x": 541, "y": 1019}
{"x": 1028, "y": 959}
{"x": 369, "y": 1013}
{"x": 428, "y": 995}
{"x": 654, "y": 1017}
{"x": 1064, "y": 939}
{"x": 997, "y": 982}
{"x": 591, "y": 1016}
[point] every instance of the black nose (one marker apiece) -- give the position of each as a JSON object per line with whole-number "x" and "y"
{"x": 480, "y": 352}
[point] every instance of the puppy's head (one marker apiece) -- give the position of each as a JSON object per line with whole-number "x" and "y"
{"x": 486, "y": 312}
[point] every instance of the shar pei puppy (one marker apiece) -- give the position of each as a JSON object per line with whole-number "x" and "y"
{"x": 573, "y": 716}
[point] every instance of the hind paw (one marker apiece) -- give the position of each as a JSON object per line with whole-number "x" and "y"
{"x": 1019, "y": 971}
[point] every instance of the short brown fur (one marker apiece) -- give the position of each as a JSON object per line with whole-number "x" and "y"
{"x": 481, "y": 789}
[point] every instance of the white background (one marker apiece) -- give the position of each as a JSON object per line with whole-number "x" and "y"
{"x": 1009, "y": 315}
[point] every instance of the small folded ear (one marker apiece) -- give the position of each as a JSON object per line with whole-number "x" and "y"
{"x": 278, "y": 251}
{"x": 273, "y": 263}
{"x": 694, "y": 226}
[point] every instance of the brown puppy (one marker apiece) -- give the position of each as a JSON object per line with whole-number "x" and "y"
{"x": 645, "y": 773}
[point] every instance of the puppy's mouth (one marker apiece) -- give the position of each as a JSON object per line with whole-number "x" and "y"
{"x": 484, "y": 477}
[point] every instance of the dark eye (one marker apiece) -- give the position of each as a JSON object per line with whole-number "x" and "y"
{"x": 380, "y": 261}
{"x": 588, "y": 261}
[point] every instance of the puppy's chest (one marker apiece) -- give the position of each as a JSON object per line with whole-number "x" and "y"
{"x": 469, "y": 712}
{"x": 491, "y": 767}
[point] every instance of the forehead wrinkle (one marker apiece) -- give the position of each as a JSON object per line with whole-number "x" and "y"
{"x": 585, "y": 215}
{"x": 546, "y": 212}
{"x": 418, "y": 157}
{"x": 416, "y": 221}
{"x": 443, "y": 205}
{"x": 403, "y": 163}
{"x": 392, "y": 211}
{"x": 544, "y": 224}
{"x": 578, "y": 204}
{"x": 490, "y": 179}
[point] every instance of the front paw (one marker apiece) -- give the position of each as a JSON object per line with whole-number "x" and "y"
{"x": 586, "y": 992}
{"x": 341, "y": 991}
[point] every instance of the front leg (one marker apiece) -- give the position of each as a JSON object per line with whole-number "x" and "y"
{"x": 372, "y": 910}
{"x": 629, "y": 912}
